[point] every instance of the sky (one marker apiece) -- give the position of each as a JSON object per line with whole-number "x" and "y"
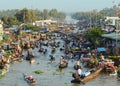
{"x": 60, "y": 5}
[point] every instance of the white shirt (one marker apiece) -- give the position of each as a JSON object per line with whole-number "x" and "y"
{"x": 79, "y": 71}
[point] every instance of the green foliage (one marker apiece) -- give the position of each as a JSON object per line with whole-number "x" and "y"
{"x": 25, "y": 15}
{"x": 9, "y": 21}
{"x": 95, "y": 16}
{"x": 13, "y": 21}
{"x": 58, "y": 70}
{"x": 46, "y": 14}
{"x": 92, "y": 16}
{"x": 16, "y": 17}
{"x": 53, "y": 13}
{"x": 94, "y": 33}
{"x": 110, "y": 11}
{"x": 38, "y": 63}
{"x": 38, "y": 72}
{"x": 31, "y": 27}
{"x": 53, "y": 25}
{"x": 1, "y": 76}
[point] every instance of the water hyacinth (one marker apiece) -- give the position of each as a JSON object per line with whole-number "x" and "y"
{"x": 58, "y": 70}
{"x": 1, "y": 76}
{"x": 38, "y": 72}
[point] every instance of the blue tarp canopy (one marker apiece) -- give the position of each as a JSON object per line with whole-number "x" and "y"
{"x": 101, "y": 49}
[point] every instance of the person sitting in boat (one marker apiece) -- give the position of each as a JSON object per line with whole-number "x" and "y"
{"x": 30, "y": 78}
{"x": 16, "y": 53}
{"x": 52, "y": 58}
{"x": 62, "y": 60}
{"x": 53, "y": 49}
{"x": 44, "y": 51}
{"x": 79, "y": 72}
{"x": 102, "y": 58}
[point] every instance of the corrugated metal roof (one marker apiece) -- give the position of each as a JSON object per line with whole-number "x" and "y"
{"x": 112, "y": 35}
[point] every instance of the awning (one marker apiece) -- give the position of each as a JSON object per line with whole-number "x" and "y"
{"x": 101, "y": 49}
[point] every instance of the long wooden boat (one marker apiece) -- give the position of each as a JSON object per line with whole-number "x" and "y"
{"x": 3, "y": 71}
{"x": 32, "y": 60}
{"x": 30, "y": 82}
{"x": 87, "y": 78}
{"x": 63, "y": 65}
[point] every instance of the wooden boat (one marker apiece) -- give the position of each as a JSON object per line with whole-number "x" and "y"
{"x": 32, "y": 60}
{"x": 64, "y": 65}
{"x": 113, "y": 74}
{"x": 26, "y": 79}
{"x": 87, "y": 78}
{"x": 16, "y": 60}
{"x": 52, "y": 59}
{"x": 29, "y": 57}
{"x": 53, "y": 50}
{"x": 3, "y": 71}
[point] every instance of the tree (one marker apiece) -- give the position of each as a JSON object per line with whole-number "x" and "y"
{"x": 13, "y": 21}
{"x": 53, "y": 13}
{"x": 61, "y": 15}
{"x": 94, "y": 35}
{"x": 31, "y": 27}
{"x": 9, "y": 21}
{"x": 38, "y": 14}
{"x": 25, "y": 15}
{"x": 5, "y": 20}
{"x": 45, "y": 14}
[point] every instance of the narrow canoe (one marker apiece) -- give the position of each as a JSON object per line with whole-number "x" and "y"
{"x": 64, "y": 65}
{"x": 32, "y": 60}
{"x": 30, "y": 82}
{"x": 87, "y": 78}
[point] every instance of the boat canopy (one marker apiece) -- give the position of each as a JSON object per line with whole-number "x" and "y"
{"x": 101, "y": 49}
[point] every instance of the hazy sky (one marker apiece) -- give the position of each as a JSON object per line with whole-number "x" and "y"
{"x": 60, "y": 5}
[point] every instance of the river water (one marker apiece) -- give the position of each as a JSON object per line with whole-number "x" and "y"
{"x": 49, "y": 77}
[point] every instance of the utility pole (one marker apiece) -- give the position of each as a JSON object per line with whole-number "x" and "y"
{"x": 90, "y": 20}
{"x": 24, "y": 19}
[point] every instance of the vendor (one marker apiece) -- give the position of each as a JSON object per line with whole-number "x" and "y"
{"x": 102, "y": 58}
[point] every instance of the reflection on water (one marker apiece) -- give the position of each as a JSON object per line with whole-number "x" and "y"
{"x": 50, "y": 77}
